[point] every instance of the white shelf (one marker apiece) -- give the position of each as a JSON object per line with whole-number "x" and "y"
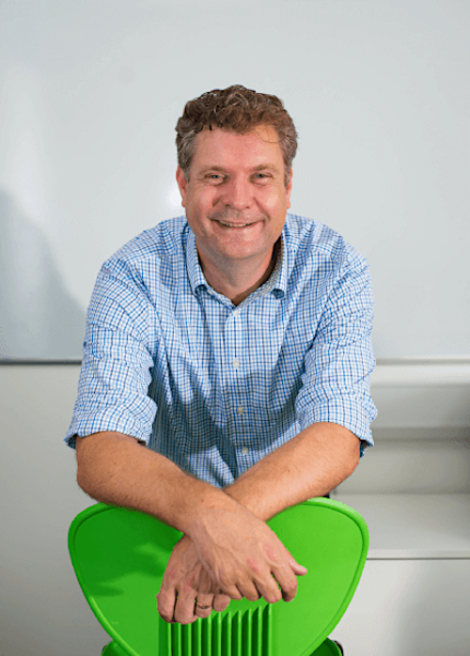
{"x": 422, "y": 373}
{"x": 414, "y": 526}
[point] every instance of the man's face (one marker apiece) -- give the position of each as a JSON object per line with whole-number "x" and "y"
{"x": 236, "y": 198}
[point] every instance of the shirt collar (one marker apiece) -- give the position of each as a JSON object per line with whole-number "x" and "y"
{"x": 277, "y": 282}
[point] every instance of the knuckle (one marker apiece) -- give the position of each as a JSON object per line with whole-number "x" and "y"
{"x": 254, "y": 565}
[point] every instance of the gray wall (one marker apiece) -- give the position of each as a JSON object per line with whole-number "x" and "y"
{"x": 90, "y": 96}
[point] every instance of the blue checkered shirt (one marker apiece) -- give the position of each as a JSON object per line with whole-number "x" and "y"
{"x": 213, "y": 386}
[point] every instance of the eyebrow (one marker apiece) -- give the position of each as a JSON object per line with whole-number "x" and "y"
{"x": 260, "y": 167}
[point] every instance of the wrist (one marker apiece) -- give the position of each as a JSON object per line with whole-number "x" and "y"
{"x": 208, "y": 503}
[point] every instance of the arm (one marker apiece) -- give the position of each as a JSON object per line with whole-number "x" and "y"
{"x": 310, "y": 465}
{"x": 117, "y": 469}
{"x": 225, "y": 548}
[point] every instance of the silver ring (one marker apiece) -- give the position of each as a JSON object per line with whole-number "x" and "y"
{"x": 203, "y": 607}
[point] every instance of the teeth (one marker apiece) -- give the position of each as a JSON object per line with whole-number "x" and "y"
{"x": 235, "y": 225}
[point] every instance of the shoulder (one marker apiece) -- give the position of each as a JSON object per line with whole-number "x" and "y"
{"x": 163, "y": 240}
{"x": 152, "y": 251}
{"x": 311, "y": 243}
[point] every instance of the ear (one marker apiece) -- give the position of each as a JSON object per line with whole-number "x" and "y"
{"x": 289, "y": 188}
{"x": 182, "y": 184}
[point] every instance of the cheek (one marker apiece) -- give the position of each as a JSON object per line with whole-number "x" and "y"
{"x": 277, "y": 204}
{"x": 204, "y": 201}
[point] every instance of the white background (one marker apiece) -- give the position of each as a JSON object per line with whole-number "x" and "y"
{"x": 90, "y": 94}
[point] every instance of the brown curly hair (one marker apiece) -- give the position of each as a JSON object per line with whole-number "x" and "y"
{"x": 235, "y": 108}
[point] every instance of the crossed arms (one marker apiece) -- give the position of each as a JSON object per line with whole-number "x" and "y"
{"x": 227, "y": 550}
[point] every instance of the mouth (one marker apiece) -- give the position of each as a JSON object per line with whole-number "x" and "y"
{"x": 232, "y": 224}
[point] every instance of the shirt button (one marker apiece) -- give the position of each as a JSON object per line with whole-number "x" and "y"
{"x": 245, "y": 450}
{"x": 240, "y": 409}
{"x": 235, "y": 363}
{"x": 236, "y": 313}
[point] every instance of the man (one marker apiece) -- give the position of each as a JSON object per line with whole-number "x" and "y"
{"x": 235, "y": 344}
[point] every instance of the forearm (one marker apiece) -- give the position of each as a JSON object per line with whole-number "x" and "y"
{"x": 310, "y": 465}
{"x": 116, "y": 469}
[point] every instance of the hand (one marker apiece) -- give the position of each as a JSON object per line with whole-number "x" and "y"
{"x": 186, "y": 584}
{"x": 243, "y": 557}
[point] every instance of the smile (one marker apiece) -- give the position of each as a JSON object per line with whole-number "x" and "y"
{"x": 228, "y": 224}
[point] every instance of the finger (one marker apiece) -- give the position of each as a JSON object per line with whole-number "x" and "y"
{"x": 249, "y": 590}
{"x": 204, "y": 604}
{"x": 166, "y": 603}
{"x": 268, "y": 589}
{"x": 232, "y": 592}
{"x": 287, "y": 581}
{"x": 184, "y": 608}
{"x": 271, "y": 594}
{"x": 221, "y": 602}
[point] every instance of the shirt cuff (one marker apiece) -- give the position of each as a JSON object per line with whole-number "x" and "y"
{"x": 351, "y": 416}
{"x": 82, "y": 426}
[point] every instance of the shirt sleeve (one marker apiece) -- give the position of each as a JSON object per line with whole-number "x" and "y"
{"x": 336, "y": 380}
{"x": 117, "y": 362}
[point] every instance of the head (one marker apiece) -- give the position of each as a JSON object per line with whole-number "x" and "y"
{"x": 235, "y": 150}
{"x": 239, "y": 110}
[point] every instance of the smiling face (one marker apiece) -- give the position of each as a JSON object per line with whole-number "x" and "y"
{"x": 236, "y": 198}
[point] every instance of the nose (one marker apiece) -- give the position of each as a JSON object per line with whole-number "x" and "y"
{"x": 237, "y": 193}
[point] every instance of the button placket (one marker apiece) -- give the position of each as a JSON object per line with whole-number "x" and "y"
{"x": 234, "y": 342}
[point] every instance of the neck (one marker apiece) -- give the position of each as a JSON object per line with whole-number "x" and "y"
{"x": 237, "y": 280}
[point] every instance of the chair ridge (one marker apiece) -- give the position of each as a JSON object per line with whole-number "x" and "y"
{"x": 239, "y": 633}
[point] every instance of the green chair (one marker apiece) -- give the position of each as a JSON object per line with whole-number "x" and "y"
{"x": 119, "y": 556}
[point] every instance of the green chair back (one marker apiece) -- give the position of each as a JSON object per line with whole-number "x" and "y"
{"x": 120, "y": 555}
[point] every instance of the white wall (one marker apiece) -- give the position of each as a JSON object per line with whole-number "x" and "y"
{"x": 91, "y": 91}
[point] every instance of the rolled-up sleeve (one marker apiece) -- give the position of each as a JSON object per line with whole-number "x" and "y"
{"x": 338, "y": 367}
{"x": 117, "y": 362}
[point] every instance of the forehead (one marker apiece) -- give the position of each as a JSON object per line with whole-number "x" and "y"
{"x": 221, "y": 147}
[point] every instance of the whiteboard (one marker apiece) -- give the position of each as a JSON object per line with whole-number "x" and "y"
{"x": 90, "y": 94}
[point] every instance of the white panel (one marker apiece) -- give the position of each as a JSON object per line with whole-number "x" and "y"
{"x": 42, "y": 609}
{"x": 409, "y": 608}
{"x": 413, "y": 467}
{"x": 406, "y": 526}
{"x": 422, "y": 399}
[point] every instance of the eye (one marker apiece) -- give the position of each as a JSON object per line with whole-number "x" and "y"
{"x": 214, "y": 178}
{"x": 261, "y": 177}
